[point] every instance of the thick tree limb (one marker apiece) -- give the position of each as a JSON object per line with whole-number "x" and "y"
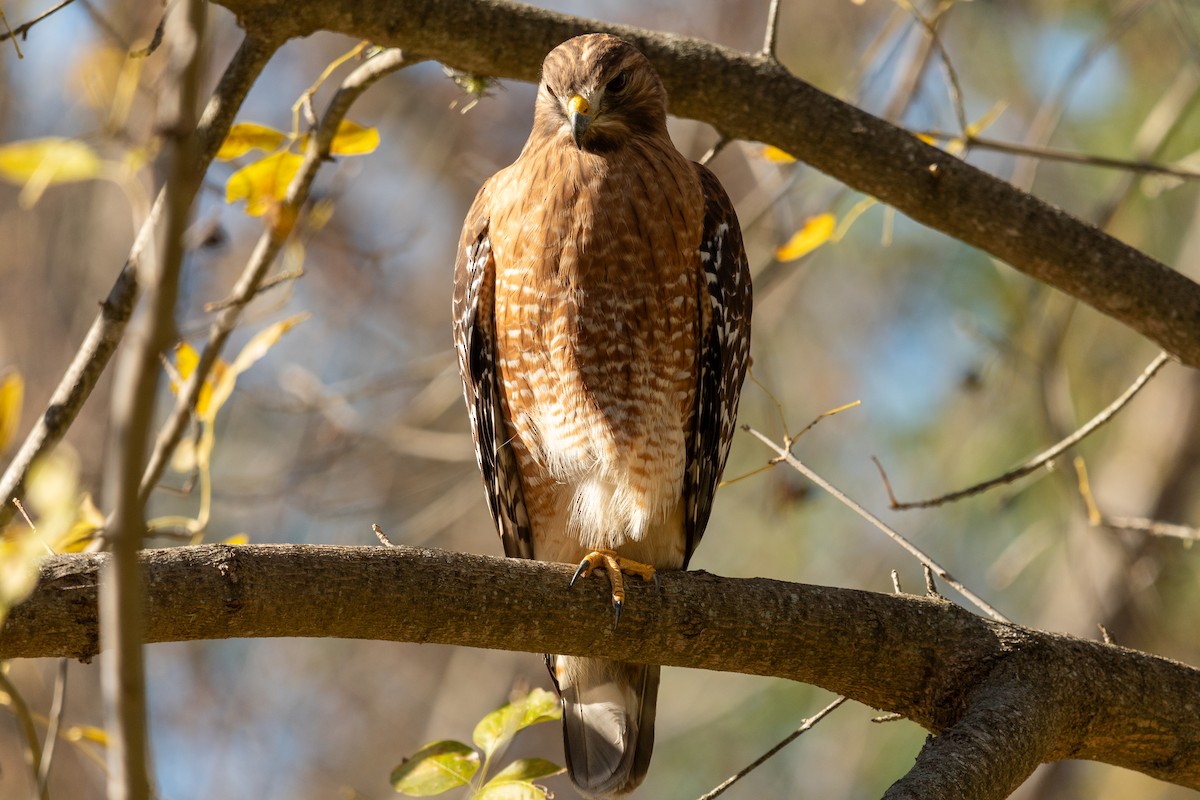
{"x": 752, "y": 97}
{"x": 974, "y": 681}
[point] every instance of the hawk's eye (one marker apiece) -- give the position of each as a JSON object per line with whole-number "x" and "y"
{"x": 618, "y": 84}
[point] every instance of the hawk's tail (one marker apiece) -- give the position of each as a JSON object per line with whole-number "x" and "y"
{"x": 608, "y": 722}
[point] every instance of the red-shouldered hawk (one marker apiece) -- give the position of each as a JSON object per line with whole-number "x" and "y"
{"x": 602, "y": 321}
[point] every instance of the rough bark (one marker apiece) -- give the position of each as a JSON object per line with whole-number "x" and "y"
{"x": 1004, "y": 698}
{"x": 752, "y": 97}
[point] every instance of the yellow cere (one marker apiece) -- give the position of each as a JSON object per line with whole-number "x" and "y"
{"x": 579, "y": 105}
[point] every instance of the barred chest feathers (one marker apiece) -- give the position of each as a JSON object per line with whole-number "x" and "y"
{"x": 599, "y": 357}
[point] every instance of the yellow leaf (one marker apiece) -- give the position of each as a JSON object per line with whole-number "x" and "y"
{"x": 815, "y": 232}
{"x": 353, "y": 139}
{"x": 320, "y": 214}
{"x": 772, "y": 153}
{"x": 186, "y": 359}
{"x": 20, "y": 555}
{"x": 255, "y": 349}
{"x": 52, "y": 489}
{"x": 927, "y": 139}
{"x": 88, "y": 522}
{"x": 264, "y": 183}
{"x": 59, "y": 160}
{"x": 237, "y": 538}
{"x": 38, "y": 163}
{"x": 90, "y": 733}
{"x": 12, "y": 392}
{"x": 246, "y": 136}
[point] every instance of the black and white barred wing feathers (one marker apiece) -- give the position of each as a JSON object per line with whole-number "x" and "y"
{"x": 475, "y": 341}
{"x": 723, "y": 356}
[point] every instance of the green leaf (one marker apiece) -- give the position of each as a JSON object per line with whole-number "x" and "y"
{"x": 510, "y": 790}
{"x": 436, "y": 768}
{"x": 496, "y": 730}
{"x": 527, "y": 769}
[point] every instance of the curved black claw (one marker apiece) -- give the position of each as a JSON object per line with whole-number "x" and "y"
{"x": 617, "y": 611}
{"x": 583, "y": 567}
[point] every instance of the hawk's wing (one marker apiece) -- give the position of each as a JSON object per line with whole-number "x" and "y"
{"x": 723, "y": 356}
{"x": 474, "y": 338}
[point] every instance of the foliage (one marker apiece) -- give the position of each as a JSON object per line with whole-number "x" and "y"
{"x": 440, "y": 766}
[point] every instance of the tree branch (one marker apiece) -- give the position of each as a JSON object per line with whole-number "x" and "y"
{"x": 751, "y": 97}
{"x": 926, "y": 659}
{"x": 109, "y": 326}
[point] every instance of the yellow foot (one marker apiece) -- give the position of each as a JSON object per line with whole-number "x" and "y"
{"x": 614, "y": 565}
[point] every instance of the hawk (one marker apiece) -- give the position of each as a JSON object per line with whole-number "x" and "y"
{"x": 602, "y": 323}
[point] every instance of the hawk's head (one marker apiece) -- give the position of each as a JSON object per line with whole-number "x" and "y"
{"x": 600, "y": 91}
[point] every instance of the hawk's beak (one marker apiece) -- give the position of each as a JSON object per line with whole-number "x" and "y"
{"x": 579, "y": 114}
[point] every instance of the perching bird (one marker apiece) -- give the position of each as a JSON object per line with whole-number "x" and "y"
{"x": 602, "y": 322}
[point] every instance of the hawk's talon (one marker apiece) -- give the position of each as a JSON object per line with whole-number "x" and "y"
{"x": 616, "y": 611}
{"x": 585, "y": 569}
{"x": 614, "y": 565}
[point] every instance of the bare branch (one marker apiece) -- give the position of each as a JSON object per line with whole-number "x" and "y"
{"x": 106, "y": 331}
{"x": 22, "y": 30}
{"x": 1044, "y": 458}
{"x": 783, "y": 455}
{"x": 930, "y": 661}
{"x": 56, "y": 714}
{"x": 1139, "y": 166}
{"x": 804, "y": 726}
{"x": 135, "y": 390}
{"x": 1008, "y": 726}
{"x": 771, "y": 37}
{"x": 30, "y": 745}
{"x": 748, "y": 97}
{"x": 265, "y": 251}
{"x": 1152, "y": 527}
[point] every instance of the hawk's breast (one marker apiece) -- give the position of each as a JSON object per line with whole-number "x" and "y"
{"x": 597, "y": 320}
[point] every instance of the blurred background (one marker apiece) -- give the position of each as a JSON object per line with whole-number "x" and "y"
{"x": 964, "y": 368}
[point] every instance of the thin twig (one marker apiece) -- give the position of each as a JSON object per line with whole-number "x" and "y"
{"x": 1046, "y": 121}
{"x": 381, "y": 536}
{"x": 953, "y": 85}
{"x": 108, "y": 328}
{"x": 930, "y": 584}
{"x": 1153, "y": 527}
{"x": 1160, "y": 125}
{"x": 717, "y": 147}
{"x": 1042, "y": 459}
{"x": 805, "y": 726}
{"x": 1141, "y": 524}
{"x": 784, "y": 455}
{"x": 265, "y": 251}
{"x": 22, "y": 30}
{"x": 56, "y": 714}
{"x": 771, "y": 37}
{"x": 32, "y": 748}
{"x": 1069, "y": 156}
{"x": 268, "y": 283}
{"x": 896, "y": 582}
